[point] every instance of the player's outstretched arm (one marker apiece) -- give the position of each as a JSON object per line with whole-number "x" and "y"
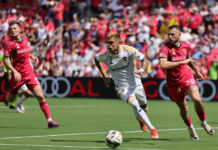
{"x": 143, "y": 66}
{"x": 105, "y": 77}
{"x": 8, "y": 65}
{"x": 197, "y": 74}
{"x": 164, "y": 64}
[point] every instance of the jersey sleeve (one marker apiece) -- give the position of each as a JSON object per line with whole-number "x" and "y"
{"x": 7, "y": 50}
{"x": 101, "y": 56}
{"x": 163, "y": 52}
{"x": 134, "y": 53}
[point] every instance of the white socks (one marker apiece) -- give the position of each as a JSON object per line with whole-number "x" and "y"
{"x": 140, "y": 113}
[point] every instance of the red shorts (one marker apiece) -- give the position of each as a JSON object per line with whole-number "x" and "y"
{"x": 177, "y": 94}
{"x": 31, "y": 81}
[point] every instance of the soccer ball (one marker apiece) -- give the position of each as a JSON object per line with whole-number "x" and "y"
{"x": 113, "y": 138}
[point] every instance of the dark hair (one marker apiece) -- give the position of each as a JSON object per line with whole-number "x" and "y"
{"x": 15, "y": 22}
{"x": 175, "y": 27}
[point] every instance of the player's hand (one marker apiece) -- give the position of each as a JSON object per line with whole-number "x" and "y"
{"x": 186, "y": 61}
{"x": 199, "y": 76}
{"x": 35, "y": 59}
{"x": 106, "y": 82}
{"x": 17, "y": 76}
{"x": 139, "y": 71}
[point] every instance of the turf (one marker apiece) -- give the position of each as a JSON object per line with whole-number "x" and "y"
{"x": 84, "y": 123}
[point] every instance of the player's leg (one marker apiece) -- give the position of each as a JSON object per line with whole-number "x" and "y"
{"x": 37, "y": 91}
{"x": 140, "y": 113}
{"x": 193, "y": 92}
{"x": 23, "y": 94}
{"x": 140, "y": 96}
{"x": 12, "y": 104}
{"x": 183, "y": 106}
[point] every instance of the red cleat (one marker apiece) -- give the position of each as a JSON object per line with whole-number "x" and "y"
{"x": 52, "y": 124}
{"x": 142, "y": 126}
{"x": 154, "y": 134}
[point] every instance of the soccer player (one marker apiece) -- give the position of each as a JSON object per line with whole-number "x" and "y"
{"x": 22, "y": 72}
{"x": 120, "y": 61}
{"x": 179, "y": 69}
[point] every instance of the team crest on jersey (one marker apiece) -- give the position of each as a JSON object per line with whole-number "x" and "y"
{"x": 173, "y": 51}
{"x": 124, "y": 59}
{"x": 17, "y": 45}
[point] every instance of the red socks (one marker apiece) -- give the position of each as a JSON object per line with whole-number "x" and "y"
{"x": 201, "y": 116}
{"x": 45, "y": 109}
{"x": 188, "y": 122}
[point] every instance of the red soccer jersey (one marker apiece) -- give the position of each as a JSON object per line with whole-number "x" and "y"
{"x": 19, "y": 52}
{"x": 179, "y": 75}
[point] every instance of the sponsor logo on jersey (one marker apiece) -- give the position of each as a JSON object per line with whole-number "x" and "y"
{"x": 184, "y": 50}
{"x": 179, "y": 58}
{"x": 120, "y": 68}
{"x": 21, "y": 51}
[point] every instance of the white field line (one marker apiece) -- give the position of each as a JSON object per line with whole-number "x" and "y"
{"x": 92, "y": 133}
{"x": 76, "y": 147}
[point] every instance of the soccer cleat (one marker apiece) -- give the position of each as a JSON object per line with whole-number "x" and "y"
{"x": 208, "y": 128}
{"x": 154, "y": 134}
{"x": 19, "y": 109}
{"x": 52, "y": 124}
{"x": 142, "y": 126}
{"x": 193, "y": 134}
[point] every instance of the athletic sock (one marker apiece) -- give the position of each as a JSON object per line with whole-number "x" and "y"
{"x": 20, "y": 100}
{"x": 188, "y": 122}
{"x": 201, "y": 115}
{"x": 141, "y": 114}
{"x": 45, "y": 109}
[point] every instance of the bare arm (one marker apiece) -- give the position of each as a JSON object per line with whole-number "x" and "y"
{"x": 165, "y": 64}
{"x": 197, "y": 74}
{"x": 143, "y": 66}
{"x": 8, "y": 65}
{"x": 105, "y": 77}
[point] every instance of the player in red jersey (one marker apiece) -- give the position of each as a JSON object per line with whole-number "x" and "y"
{"x": 22, "y": 72}
{"x": 178, "y": 66}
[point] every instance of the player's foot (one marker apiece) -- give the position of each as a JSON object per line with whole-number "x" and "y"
{"x": 52, "y": 124}
{"x": 193, "y": 134}
{"x": 11, "y": 107}
{"x": 142, "y": 126}
{"x": 154, "y": 134}
{"x": 19, "y": 109}
{"x": 208, "y": 128}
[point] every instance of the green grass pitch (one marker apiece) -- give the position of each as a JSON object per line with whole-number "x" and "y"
{"x": 84, "y": 123}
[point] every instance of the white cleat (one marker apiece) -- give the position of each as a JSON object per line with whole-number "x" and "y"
{"x": 193, "y": 134}
{"x": 208, "y": 128}
{"x": 19, "y": 109}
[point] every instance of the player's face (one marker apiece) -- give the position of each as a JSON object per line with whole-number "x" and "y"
{"x": 173, "y": 35}
{"x": 112, "y": 45}
{"x": 14, "y": 30}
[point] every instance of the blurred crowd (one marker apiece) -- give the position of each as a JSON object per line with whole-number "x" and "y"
{"x": 66, "y": 34}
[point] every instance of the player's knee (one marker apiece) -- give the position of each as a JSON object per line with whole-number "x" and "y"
{"x": 144, "y": 107}
{"x": 40, "y": 98}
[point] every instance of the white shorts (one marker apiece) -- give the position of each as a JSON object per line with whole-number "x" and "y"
{"x": 138, "y": 92}
{"x": 22, "y": 89}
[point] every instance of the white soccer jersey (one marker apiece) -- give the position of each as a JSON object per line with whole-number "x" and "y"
{"x": 121, "y": 66}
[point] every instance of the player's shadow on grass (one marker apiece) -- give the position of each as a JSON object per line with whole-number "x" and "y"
{"x": 91, "y": 141}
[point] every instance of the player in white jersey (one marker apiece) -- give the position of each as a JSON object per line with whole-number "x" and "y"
{"x": 120, "y": 61}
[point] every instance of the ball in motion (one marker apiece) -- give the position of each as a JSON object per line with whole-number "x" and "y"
{"x": 113, "y": 138}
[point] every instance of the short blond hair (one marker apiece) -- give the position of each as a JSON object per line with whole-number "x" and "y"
{"x": 113, "y": 35}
